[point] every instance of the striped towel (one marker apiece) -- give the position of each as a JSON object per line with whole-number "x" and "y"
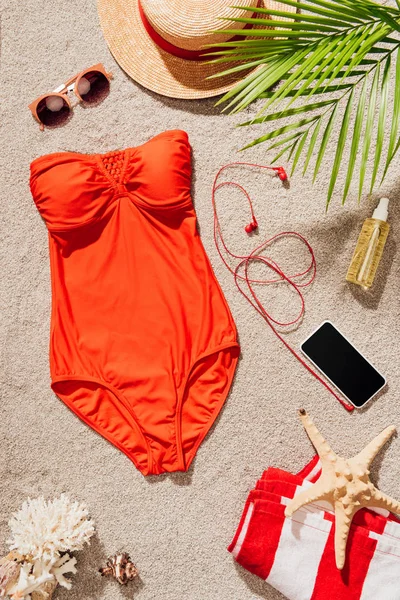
{"x": 296, "y": 556}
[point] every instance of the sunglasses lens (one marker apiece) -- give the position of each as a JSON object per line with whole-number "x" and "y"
{"x": 93, "y": 86}
{"x": 53, "y": 111}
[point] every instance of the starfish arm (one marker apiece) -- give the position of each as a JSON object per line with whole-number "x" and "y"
{"x": 343, "y": 520}
{"x": 316, "y": 438}
{"x": 318, "y": 491}
{"x": 366, "y": 456}
{"x": 381, "y": 500}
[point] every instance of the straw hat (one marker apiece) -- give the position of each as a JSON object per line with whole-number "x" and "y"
{"x": 157, "y": 42}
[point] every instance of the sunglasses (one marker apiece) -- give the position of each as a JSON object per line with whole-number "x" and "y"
{"x": 89, "y": 86}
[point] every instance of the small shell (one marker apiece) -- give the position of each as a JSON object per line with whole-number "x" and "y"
{"x": 120, "y": 567}
{"x": 9, "y": 574}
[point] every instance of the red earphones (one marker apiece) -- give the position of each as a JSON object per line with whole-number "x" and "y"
{"x": 240, "y": 268}
{"x": 251, "y": 226}
{"x": 280, "y": 171}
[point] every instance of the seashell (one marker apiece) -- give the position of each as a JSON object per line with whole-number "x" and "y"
{"x": 120, "y": 567}
{"x": 9, "y": 574}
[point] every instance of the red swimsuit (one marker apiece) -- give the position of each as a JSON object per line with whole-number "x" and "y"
{"x": 143, "y": 347}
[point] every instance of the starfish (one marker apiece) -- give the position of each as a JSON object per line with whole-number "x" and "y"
{"x": 344, "y": 483}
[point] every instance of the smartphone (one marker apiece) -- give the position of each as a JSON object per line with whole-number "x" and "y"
{"x": 342, "y": 364}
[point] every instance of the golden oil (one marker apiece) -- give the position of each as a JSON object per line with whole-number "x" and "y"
{"x": 370, "y": 245}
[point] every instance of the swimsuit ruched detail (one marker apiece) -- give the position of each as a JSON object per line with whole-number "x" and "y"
{"x": 143, "y": 347}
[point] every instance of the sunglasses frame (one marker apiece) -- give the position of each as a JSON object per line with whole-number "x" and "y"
{"x": 69, "y": 86}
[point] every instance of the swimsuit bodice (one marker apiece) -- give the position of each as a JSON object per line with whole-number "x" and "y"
{"x": 72, "y": 189}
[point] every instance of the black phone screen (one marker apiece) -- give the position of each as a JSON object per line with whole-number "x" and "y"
{"x": 340, "y": 362}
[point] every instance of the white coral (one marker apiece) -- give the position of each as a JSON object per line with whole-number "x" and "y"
{"x": 45, "y": 529}
{"x": 42, "y": 532}
{"x": 65, "y": 564}
{"x": 33, "y": 578}
{"x": 30, "y": 580}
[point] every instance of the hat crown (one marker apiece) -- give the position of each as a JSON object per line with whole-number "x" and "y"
{"x": 189, "y": 24}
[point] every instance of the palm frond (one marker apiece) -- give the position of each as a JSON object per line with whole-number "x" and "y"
{"x": 299, "y": 150}
{"x": 293, "y": 148}
{"x": 381, "y": 120}
{"x": 289, "y": 138}
{"x": 290, "y": 112}
{"x": 345, "y": 48}
{"x": 325, "y": 138}
{"x": 310, "y": 27}
{"x": 368, "y": 129}
{"x": 355, "y": 139}
{"x": 281, "y": 153}
{"x": 396, "y": 118}
{"x": 281, "y": 131}
{"x": 312, "y": 143}
{"x": 340, "y": 146}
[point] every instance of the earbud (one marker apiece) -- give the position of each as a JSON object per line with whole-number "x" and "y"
{"x": 251, "y": 226}
{"x": 280, "y": 171}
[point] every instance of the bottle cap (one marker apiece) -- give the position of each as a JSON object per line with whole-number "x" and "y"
{"x": 381, "y": 211}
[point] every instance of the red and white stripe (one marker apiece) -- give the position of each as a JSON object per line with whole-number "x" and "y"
{"x": 296, "y": 556}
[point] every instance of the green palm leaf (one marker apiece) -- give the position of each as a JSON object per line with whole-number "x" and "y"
{"x": 381, "y": 121}
{"x": 304, "y": 69}
{"x": 311, "y": 146}
{"x": 368, "y": 129}
{"x": 290, "y": 112}
{"x": 315, "y": 27}
{"x": 293, "y": 148}
{"x": 396, "y": 118}
{"x": 281, "y": 153}
{"x": 340, "y": 147}
{"x": 332, "y": 88}
{"x": 302, "y": 141}
{"x": 335, "y": 47}
{"x": 293, "y": 136}
{"x": 325, "y": 139}
{"x": 280, "y": 131}
{"x": 355, "y": 139}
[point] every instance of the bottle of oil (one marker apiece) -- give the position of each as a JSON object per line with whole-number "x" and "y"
{"x": 370, "y": 245}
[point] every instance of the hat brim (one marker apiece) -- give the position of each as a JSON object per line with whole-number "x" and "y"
{"x": 151, "y": 66}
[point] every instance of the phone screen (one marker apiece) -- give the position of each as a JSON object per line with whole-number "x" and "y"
{"x": 343, "y": 365}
